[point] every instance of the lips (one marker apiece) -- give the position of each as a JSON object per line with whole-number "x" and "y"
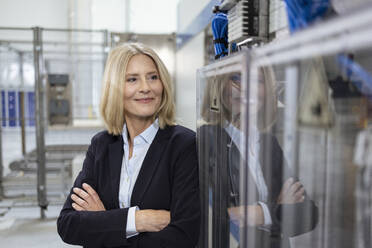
{"x": 144, "y": 100}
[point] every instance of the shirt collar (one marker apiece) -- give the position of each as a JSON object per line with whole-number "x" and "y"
{"x": 146, "y": 136}
{"x": 234, "y": 131}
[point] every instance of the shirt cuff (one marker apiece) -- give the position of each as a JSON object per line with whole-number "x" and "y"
{"x": 131, "y": 222}
{"x": 266, "y": 212}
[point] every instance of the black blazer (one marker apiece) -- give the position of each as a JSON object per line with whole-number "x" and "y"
{"x": 288, "y": 219}
{"x": 168, "y": 180}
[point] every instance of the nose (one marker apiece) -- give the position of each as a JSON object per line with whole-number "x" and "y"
{"x": 144, "y": 86}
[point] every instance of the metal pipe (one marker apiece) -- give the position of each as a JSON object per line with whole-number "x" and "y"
{"x": 1, "y": 148}
{"x": 23, "y": 128}
{"x": 74, "y": 52}
{"x": 64, "y": 52}
{"x": 328, "y": 46}
{"x": 15, "y": 28}
{"x": 22, "y": 105}
{"x": 39, "y": 117}
{"x": 1, "y": 155}
{"x": 105, "y": 46}
{"x": 74, "y": 30}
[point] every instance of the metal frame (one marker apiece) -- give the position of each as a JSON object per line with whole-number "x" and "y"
{"x": 1, "y": 157}
{"x": 38, "y": 55}
{"x": 39, "y": 121}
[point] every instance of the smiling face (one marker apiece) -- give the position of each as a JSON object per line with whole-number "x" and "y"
{"x": 143, "y": 88}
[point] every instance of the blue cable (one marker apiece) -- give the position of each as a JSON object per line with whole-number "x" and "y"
{"x": 301, "y": 13}
{"x": 362, "y": 79}
{"x": 219, "y": 30}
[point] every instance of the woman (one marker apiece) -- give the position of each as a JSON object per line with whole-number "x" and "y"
{"x": 139, "y": 183}
{"x": 275, "y": 205}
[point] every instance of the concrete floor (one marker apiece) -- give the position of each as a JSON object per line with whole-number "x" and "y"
{"x": 22, "y": 227}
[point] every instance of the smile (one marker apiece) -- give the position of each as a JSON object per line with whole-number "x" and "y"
{"x": 144, "y": 100}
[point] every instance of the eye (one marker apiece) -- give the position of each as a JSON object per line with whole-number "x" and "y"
{"x": 131, "y": 79}
{"x": 154, "y": 77}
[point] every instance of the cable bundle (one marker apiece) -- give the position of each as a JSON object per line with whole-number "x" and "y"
{"x": 219, "y": 30}
{"x": 303, "y": 12}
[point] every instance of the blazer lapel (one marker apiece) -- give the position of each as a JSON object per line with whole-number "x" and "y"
{"x": 115, "y": 157}
{"x": 149, "y": 165}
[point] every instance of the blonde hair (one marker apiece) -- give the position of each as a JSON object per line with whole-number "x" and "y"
{"x": 112, "y": 99}
{"x": 268, "y": 113}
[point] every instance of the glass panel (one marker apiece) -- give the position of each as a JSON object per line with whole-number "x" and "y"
{"x": 221, "y": 148}
{"x": 285, "y": 158}
{"x": 310, "y": 121}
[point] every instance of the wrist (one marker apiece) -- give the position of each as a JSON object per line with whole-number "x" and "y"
{"x": 139, "y": 221}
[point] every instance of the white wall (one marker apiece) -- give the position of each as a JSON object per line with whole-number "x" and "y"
{"x": 144, "y": 16}
{"x": 189, "y": 59}
{"x": 188, "y": 10}
{"x": 109, "y": 14}
{"x": 46, "y": 13}
{"x": 153, "y": 16}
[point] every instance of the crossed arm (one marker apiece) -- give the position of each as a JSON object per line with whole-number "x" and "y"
{"x": 87, "y": 199}
{"x": 85, "y": 220}
{"x": 292, "y": 192}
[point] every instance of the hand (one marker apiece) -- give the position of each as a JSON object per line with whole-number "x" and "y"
{"x": 292, "y": 192}
{"x": 87, "y": 199}
{"x": 152, "y": 220}
{"x": 255, "y": 215}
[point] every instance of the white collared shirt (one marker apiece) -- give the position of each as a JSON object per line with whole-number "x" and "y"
{"x": 130, "y": 169}
{"x": 255, "y": 169}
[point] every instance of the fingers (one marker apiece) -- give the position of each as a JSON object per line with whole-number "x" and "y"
{"x": 87, "y": 199}
{"x": 287, "y": 184}
{"x": 292, "y": 192}
{"x": 300, "y": 195}
{"x": 81, "y": 193}
{"x": 91, "y": 192}
{"x": 77, "y": 207}
{"x": 294, "y": 188}
{"x": 79, "y": 201}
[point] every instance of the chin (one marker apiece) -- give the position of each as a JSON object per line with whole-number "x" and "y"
{"x": 145, "y": 114}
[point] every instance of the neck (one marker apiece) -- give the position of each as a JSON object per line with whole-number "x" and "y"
{"x": 136, "y": 126}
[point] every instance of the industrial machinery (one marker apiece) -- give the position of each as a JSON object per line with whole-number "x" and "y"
{"x": 59, "y": 99}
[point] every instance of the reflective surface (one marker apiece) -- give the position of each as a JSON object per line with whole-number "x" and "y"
{"x": 285, "y": 154}
{"x": 219, "y": 137}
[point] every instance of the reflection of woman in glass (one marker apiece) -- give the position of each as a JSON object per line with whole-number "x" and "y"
{"x": 274, "y": 196}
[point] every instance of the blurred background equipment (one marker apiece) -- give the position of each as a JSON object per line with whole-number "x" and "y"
{"x": 59, "y": 99}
